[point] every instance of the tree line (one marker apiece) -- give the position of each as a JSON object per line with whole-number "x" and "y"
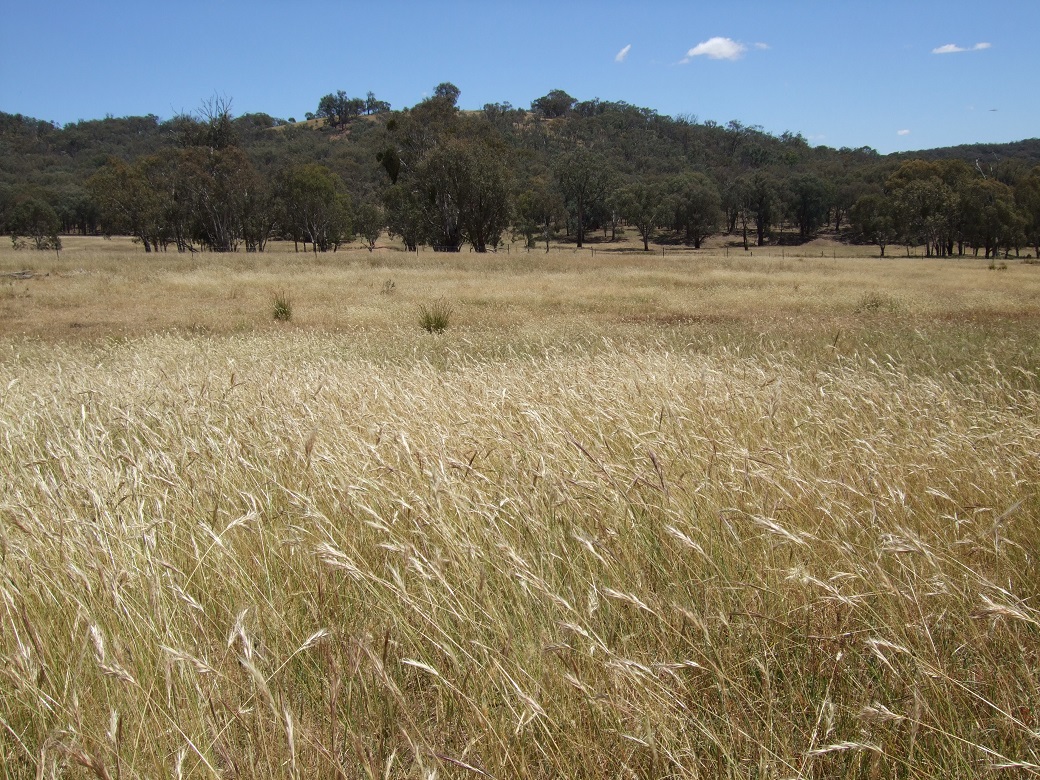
{"x": 437, "y": 176}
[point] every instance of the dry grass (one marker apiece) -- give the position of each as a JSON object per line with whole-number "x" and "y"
{"x": 627, "y": 519}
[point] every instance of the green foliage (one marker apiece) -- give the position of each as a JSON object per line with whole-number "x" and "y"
{"x": 435, "y": 316}
{"x": 281, "y": 306}
{"x": 314, "y": 209}
{"x": 644, "y": 205}
{"x": 538, "y": 210}
{"x": 369, "y": 222}
{"x": 556, "y": 104}
{"x": 873, "y": 220}
{"x": 445, "y": 177}
{"x": 338, "y": 109}
{"x": 584, "y": 179}
{"x": 33, "y": 223}
{"x": 809, "y": 201}
{"x": 447, "y": 92}
{"x": 697, "y": 206}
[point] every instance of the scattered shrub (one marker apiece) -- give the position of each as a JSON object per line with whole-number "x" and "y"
{"x": 282, "y": 307}
{"x": 434, "y": 318}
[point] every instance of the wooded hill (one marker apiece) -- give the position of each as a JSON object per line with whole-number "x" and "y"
{"x": 431, "y": 174}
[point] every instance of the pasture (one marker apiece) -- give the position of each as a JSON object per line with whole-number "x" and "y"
{"x": 692, "y": 515}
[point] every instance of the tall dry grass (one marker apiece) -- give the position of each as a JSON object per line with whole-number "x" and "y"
{"x": 300, "y": 554}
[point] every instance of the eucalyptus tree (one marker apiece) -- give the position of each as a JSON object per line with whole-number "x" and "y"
{"x": 697, "y": 206}
{"x": 403, "y": 211}
{"x": 873, "y": 219}
{"x": 220, "y": 184}
{"x": 808, "y": 200}
{"x": 1027, "y": 196}
{"x": 127, "y": 202}
{"x": 925, "y": 212}
{"x": 539, "y": 209}
{"x": 584, "y": 180}
{"x": 990, "y": 218}
{"x": 369, "y": 222}
{"x": 555, "y": 104}
{"x": 926, "y": 198}
{"x": 315, "y": 209}
{"x": 33, "y": 219}
{"x": 467, "y": 194}
{"x": 646, "y": 206}
{"x": 762, "y": 199}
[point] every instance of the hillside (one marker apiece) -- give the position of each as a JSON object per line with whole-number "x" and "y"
{"x": 767, "y": 186}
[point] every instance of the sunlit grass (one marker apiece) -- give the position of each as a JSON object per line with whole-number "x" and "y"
{"x": 688, "y": 517}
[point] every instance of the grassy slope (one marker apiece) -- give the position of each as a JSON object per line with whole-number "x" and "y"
{"x": 698, "y": 516}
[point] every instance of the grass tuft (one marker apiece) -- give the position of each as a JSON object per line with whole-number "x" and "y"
{"x": 282, "y": 307}
{"x": 435, "y": 316}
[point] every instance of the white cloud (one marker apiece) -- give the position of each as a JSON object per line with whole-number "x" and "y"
{"x": 953, "y": 48}
{"x": 621, "y": 55}
{"x": 717, "y": 49}
{"x": 903, "y": 132}
{"x": 762, "y": 46}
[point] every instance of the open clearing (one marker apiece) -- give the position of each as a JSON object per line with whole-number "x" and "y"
{"x": 692, "y": 515}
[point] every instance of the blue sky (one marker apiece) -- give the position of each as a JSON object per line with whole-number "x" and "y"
{"x": 891, "y": 75}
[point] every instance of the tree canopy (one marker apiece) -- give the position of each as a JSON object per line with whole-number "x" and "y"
{"x": 440, "y": 175}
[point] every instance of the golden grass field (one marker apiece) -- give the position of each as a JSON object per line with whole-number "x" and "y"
{"x": 700, "y": 515}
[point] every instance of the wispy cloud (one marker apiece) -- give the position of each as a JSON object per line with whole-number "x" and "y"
{"x": 717, "y": 48}
{"x": 953, "y": 48}
{"x": 621, "y": 55}
{"x": 762, "y": 46}
{"x": 903, "y": 132}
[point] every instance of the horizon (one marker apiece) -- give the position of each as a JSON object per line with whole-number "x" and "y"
{"x": 945, "y": 75}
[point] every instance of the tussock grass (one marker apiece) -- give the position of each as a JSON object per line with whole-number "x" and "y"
{"x": 297, "y": 554}
{"x": 434, "y": 317}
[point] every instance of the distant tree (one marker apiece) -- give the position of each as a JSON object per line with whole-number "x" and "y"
{"x": 762, "y": 199}
{"x": 77, "y": 211}
{"x": 739, "y": 205}
{"x": 404, "y": 214}
{"x": 556, "y": 104}
{"x": 369, "y": 222}
{"x": 846, "y": 189}
{"x": 259, "y": 214}
{"x": 127, "y": 202}
{"x": 925, "y": 195}
{"x": 646, "y": 206}
{"x": 583, "y": 179}
{"x": 697, "y": 206}
{"x": 219, "y": 184}
{"x": 925, "y": 210}
{"x": 467, "y": 194}
{"x": 538, "y": 210}
{"x": 809, "y": 201}
{"x": 339, "y": 109}
{"x": 873, "y": 220}
{"x": 1027, "y": 196}
{"x": 315, "y": 209}
{"x": 990, "y": 218}
{"x": 373, "y": 106}
{"x": 218, "y": 122}
{"x": 34, "y": 220}
{"x": 448, "y": 93}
